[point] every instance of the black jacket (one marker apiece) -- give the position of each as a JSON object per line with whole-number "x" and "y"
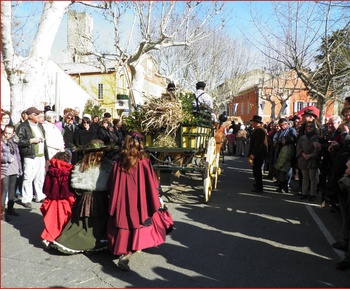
{"x": 258, "y": 144}
{"x": 24, "y": 134}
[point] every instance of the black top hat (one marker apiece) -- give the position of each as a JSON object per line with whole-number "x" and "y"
{"x": 257, "y": 118}
{"x": 309, "y": 112}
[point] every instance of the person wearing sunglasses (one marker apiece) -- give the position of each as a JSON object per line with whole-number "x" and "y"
{"x": 33, "y": 149}
{"x": 84, "y": 135}
{"x": 68, "y": 130}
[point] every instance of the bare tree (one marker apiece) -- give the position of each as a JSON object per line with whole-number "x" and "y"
{"x": 157, "y": 26}
{"x": 278, "y": 84}
{"x": 295, "y": 31}
{"x": 27, "y": 73}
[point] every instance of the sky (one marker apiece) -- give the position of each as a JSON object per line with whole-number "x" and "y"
{"x": 240, "y": 17}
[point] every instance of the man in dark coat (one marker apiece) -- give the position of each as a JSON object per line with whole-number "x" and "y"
{"x": 258, "y": 151}
{"x": 33, "y": 149}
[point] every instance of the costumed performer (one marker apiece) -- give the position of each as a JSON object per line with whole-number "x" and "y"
{"x": 60, "y": 197}
{"x": 86, "y": 231}
{"x": 138, "y": 219}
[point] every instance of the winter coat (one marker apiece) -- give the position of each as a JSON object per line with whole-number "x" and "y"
{"x": 306, "y": 146}
{"x": 258, "y": 144}
{"x": 107, "y": 135}
{"x": 24, "y": 133}
{"x": 283, "y": 162}
{"x": 57, "y": 180}
{"x": 82, "y": 136}
{"x": 54, "y": 139}
{"x": 6, "y": 156}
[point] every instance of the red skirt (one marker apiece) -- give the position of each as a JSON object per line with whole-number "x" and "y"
{"x": 56, "y": 215}
{"x": 123, "y": 241}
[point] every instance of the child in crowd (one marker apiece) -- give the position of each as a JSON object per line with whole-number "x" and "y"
{"x": 57, "y": 206}
{"x": 283, "y": 163}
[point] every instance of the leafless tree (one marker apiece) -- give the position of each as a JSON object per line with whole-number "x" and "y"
{"x": 295, "y": 31}
{"x": 26, "y": 70}
{"x": 160, "y": 25}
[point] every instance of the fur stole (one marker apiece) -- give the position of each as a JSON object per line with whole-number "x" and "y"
{"x": 93, "y": 179}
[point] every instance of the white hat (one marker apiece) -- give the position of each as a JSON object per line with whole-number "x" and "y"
{"x": 87, "y": 115}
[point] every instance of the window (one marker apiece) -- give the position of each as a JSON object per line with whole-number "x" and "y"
{"x": 298, "y": 105}
{"x": 100, "y": 91}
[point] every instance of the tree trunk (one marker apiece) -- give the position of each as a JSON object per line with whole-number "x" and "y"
{"x": 26, "y": 75}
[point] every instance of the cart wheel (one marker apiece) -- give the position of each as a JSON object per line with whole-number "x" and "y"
{"x": 210, "y": 169}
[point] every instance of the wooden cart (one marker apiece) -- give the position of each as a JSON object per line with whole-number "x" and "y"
{"x": 198, "y": 150}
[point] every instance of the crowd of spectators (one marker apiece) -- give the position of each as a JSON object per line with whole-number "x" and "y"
{"x": 315, "y": 154}
{"x": 301, "y": 148}
{"x": 66, "y": 165}
{"x": 41, "y": 134}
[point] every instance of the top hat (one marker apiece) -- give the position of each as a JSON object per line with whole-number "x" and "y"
{"x": 309, "y": 112}
{"x": 257, "y": 118}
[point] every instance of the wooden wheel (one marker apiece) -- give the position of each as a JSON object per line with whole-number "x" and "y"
{"x": 210, "y": 169}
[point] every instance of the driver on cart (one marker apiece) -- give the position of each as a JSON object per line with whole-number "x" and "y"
{"x": 202, "y": 101}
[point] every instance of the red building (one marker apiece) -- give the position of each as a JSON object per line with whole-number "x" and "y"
{"x": 265, "y": 98}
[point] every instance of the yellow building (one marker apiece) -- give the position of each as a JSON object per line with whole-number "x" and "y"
{"x": 110, "y": 88}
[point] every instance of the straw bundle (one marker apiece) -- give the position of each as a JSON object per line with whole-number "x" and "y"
{"x": 161, "y": 116}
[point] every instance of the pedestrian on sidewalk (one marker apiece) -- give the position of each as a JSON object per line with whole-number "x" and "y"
{"x": 138, "y": 220}
{"x": 258, "y": 151}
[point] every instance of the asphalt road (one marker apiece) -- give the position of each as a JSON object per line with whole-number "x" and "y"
{"x": 238, "y": 239}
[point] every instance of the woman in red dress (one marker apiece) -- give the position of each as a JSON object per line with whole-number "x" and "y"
{"x": 137, "y": 220}
{"x": 57, "y": 206}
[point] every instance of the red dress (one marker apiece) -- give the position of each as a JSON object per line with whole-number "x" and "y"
{"x": 57, "y": 207}
{"x": 135, "y": 221}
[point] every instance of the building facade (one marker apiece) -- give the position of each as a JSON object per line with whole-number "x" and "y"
{"x": 271, "y": 97}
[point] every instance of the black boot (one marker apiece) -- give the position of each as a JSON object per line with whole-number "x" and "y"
{"x": 285, "y": 187}
{"x": 10, "y": 210}
{"x": 4, "y": 216}
{"x": 279, "y": 189}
